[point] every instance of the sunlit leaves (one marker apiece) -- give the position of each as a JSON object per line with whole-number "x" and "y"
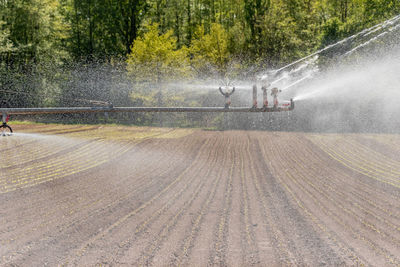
{"x": 210, "y": 48}
{"x": 155, "y": 58}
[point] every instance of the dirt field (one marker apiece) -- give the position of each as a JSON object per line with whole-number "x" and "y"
{"x": 91, "y": 195}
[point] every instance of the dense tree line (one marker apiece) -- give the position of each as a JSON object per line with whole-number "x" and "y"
{"x": 49, "y": 49}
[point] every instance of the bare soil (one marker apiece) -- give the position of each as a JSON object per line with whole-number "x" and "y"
{"x": 115, "y": 196}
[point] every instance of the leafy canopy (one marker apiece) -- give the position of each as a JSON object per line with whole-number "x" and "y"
{"x": 210, "y": 48}
{"x": 156, "y": 58}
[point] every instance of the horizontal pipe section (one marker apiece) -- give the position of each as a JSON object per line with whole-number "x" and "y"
{"x": 35, "y": 111}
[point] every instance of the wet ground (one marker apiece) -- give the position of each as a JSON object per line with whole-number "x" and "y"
{"x": 92, "y": 195}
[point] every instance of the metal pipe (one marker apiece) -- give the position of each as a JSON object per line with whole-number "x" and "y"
{"x": 254, "y": 96}
{"x": 35, "y": 111}
{"x": 4, "y": 117}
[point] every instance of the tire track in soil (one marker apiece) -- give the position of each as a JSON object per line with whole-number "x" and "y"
{"x": 339, "y": 218}
{"x": 305, "y": 242}
{"x": 124, "y": 219}
{"x": 82, "y": 219}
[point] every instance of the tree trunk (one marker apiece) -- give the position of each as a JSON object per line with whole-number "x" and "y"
{"x": 91, "y": 25}
{"x": 189, "y": 23}
{"x": 177, "y": 26}
{"x": 77, "y": 31}
{"x": 212, "y": 11}
{"x": 133, "y": 23}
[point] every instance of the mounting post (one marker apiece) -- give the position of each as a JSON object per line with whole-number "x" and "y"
{"x": 265, "y": 96}
{"x": 254, "y": 96}
{"x": 4, "y": 125}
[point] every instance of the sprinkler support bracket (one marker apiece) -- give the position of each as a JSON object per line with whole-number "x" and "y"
{"x": 4, "y": 125}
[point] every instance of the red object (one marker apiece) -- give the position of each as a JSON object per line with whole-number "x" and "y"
{"x": 7, "y": 118}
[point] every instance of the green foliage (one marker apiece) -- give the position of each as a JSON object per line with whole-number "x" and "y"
{"x": 155, "y": 58}
{"x": 41, "y": 39}
{"x": 332, "y": 30}
{"x": 36, "y": 29}
{"x": 210, "y": 48}
{"x": 103, "y": 29}
{"x": 5, "y": 43}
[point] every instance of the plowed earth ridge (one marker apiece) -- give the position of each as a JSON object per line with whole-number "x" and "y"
{"x": 130, "y": 196}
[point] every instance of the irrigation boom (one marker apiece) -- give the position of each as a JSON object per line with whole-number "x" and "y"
{"x": 36, "y": 111}
{"x": 6, "y": 112}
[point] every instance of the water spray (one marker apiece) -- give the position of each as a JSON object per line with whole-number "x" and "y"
{"x": 309, "y": 76}
{"x": 362, "y": 33}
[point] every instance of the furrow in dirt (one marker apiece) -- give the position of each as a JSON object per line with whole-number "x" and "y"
{"x": 307, "y": 240}
{"x": 129, "y": 217}
{"x": 345, "y": 215}
{"x": 105, "y": 197}
{"x": 72, "y": 224}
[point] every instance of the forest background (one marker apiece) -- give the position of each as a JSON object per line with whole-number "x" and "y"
{"x": 79, "y": 53}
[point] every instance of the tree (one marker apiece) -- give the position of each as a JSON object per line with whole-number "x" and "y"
{"x": 5, "y": 43}
{"x": 155, "y": 57}
{"x": 131, "y": 15}
{"x": 210, "y": 48}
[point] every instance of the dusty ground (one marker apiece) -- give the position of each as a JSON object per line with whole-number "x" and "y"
{"x": 90, "y": 195}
